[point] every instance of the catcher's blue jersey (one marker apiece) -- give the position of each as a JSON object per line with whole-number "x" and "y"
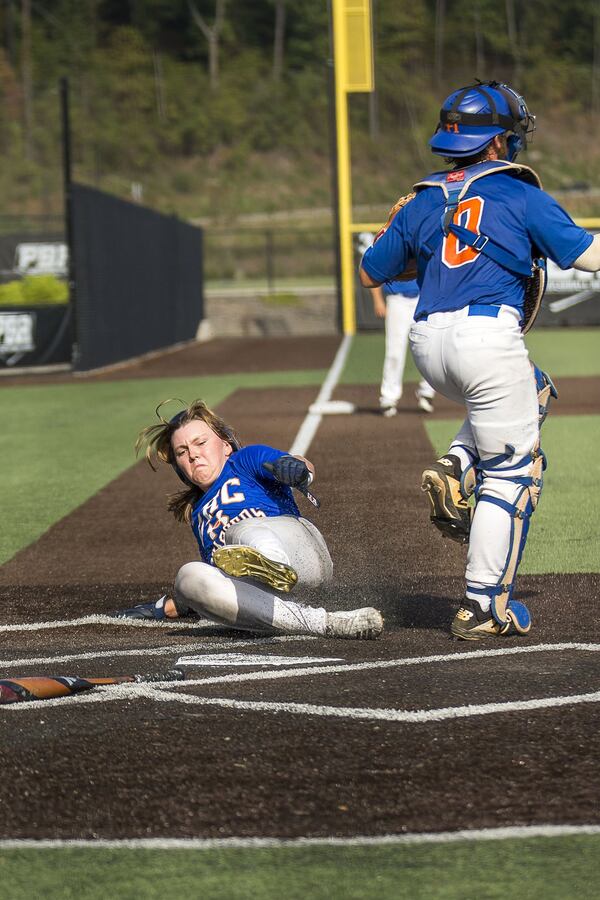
{"x": 408, "y": 288}
{"x": 513, "y": 213}
{"x": 243, "y": 490}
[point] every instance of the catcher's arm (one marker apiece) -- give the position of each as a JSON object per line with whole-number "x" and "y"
{"x": 589, "y": 261}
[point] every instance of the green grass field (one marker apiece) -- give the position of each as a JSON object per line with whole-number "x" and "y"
{"x": 545, "y": 868}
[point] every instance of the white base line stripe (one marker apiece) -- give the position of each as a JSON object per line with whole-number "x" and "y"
{"x": 174, "y": 649}
{"x": 138, "y": 691}
{"x": 382, "y": 715}
{"x": 235, "y": 843}
{"x": 115, "y": 693}
{"x": 108, "y": 620}
{"x": 285, "y": 673}
{"x": 309, "y": 427}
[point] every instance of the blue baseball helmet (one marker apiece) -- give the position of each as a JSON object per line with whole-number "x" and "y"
{"x": 472, "y": 116}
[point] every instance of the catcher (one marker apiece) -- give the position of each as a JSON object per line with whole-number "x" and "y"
{"x": 254, "y": 544}
{"x": 478, "y": 236}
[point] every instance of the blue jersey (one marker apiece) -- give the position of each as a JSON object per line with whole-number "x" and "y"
{"x": 243, "y": 490}
{"x": 515, "y": 214}
{"x": 408, "y": 288}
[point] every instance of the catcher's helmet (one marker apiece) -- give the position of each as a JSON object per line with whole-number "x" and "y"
{"x": 472, "y": 116}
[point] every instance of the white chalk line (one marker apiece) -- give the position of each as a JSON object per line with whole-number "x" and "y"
{"x": 100, "y": 619}
{"x": 390, "y": 663}
{"x": 156, "y": 692}
{"x": 175, "y": 649}
{"x": 309, "y": 426}
{"x": 285, "y": 673}
{"x": 382, "y": 715}
{"x": 506, "y": 832}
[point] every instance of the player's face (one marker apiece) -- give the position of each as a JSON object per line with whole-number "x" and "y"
{"x": 199, "y": 452}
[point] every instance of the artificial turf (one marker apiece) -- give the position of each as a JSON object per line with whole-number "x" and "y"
{"x": 543, "y": 868}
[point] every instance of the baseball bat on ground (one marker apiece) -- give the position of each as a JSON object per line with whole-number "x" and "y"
{"x": 44, "y": 687}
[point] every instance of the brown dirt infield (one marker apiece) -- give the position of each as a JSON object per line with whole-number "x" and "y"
{"x": 142, "y": 767}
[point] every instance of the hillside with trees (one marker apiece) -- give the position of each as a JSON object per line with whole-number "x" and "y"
{"x": 210, "y": 109}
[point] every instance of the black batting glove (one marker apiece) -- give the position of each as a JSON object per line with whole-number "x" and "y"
{"x": 290, "y": 470}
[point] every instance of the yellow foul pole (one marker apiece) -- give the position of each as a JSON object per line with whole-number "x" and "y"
{"x": 340, "y": 45}
{"x": 353, "y": 57}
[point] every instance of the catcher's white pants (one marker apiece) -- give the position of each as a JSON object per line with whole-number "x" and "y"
{"x": 398, "y": 320}
{"x": 248, "y": 604}
{"x": 482, "y": 363}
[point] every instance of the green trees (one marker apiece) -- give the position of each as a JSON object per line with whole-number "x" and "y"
{"x": 213, "y": 105}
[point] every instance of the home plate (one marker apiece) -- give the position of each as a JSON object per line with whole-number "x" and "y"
{"x": 332, "y": 408}
{"x": 249, "y": 659}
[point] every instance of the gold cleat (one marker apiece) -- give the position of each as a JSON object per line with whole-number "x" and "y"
{"x": 246, "y": 562}
{"x": 450, "y": 511}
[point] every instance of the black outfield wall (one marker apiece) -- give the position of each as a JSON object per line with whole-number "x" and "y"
{"x": 138, "y": 279}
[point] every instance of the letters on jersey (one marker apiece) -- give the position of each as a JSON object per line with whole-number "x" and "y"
{"x": 244, "y": 490}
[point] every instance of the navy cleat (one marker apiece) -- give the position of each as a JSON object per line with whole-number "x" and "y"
{"x": 153, "y": 611}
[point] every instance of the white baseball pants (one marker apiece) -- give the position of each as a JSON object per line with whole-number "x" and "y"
{"x": 398, "y": 320}
{"x": 248, "y": 604}
{"x": 482, "y": 363}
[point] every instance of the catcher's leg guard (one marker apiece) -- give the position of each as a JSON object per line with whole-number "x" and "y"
{"x": 511, "y": 615}
{"x": 545, "y": 391}
{"x": 448, "y": 487}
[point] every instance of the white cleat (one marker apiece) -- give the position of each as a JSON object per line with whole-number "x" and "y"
{"x": 364, "y": 624}
{"x": 424, "y": 403}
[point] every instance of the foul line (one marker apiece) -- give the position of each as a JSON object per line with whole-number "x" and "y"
{"x": 100, "y": 619}
{"x": 156, "y": 692}
{"x": 381, "y": 715}
{"x": 507, "y": 832}
{"x": 295, "y": 672}
{"x": 210, "y": 646}
{"x": 308, "y": 429}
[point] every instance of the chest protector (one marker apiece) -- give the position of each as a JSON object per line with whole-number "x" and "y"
{"x": 455, "y": 186}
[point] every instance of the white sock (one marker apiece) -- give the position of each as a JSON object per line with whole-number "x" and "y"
{"x": 293, "y": 618}
{"x": 466, "y": 457}
{"x": 484, "y": 601}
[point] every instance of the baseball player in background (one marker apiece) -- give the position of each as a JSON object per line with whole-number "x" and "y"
{"x": 254, "y": 544}
{"x": 396, "y": 302}
{"x": 478, "y": 236}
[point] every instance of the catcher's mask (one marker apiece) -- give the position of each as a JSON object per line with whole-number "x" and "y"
{"x": 199, "y": 411}
{"x": 472, "y": 116}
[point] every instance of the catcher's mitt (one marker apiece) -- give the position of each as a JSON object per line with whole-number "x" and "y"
{"x": 534, "y": 291}
{"x": 410, "y": 271}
